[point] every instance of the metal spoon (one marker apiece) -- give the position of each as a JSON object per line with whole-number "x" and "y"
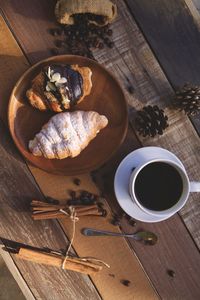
{"x": 146, "y": 237}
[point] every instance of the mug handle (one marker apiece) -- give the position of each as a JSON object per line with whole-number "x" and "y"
{"x": 194, "y": 186}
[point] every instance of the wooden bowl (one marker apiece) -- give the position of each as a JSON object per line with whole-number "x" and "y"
{"x": 106, "y": 98}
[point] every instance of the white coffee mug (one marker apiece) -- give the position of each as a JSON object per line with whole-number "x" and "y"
{"x": 187, "y": 188}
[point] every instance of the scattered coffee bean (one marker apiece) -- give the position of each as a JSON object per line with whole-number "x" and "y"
{"x": 109, "y": 32}
{"x": 111, "y": 275}
{"x": 101, "y": 45}
{"x": 110, "y": 44}
{"x": 76, "y": 181}
{"x": 54, "y": 31}
{"x": 115, "y": 220}
{"x": 171, "y": 273}
{"x": 107, "y": 40}
{"x": 52, "y": 200}
{"x": 130, "y": 89}
{"x": 68, "y": 32}
{"x": 125, "y": 282}
{"x": 72, "y": 194}
{"x": 104, "y": 213}
{"x": 86, "y": 201}
{"x": 85, "y": 194}
{"x": 132, "y": 222}
{"x": 128, "y": 218}
{"x": 54, "y": 51}
{"x": 58, "y": 43}
{"x": 93, "y": 177}
{"x": 100, "y": 204}
{"x": 74, "y": 202}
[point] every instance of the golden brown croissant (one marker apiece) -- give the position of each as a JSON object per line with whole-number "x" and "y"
{"x": 59, "y": 87}
{"x": 67, "y": 134}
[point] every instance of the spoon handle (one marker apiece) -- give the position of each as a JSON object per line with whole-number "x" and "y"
{"x": 95, "y": 232}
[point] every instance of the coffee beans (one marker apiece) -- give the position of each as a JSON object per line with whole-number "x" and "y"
{"x": 76, "y": 181}
{"x": 125, "y": 282}
{"x": 86, "y": 198}
{"x": 130, "y": 89}
{"x": 109, "y": 32}
{"x": 110, "y": 44}
{"x": 54, "y": 51}
{"x": 59, "y": 43}
{"x": 52, "y": 200}
{"x": 115, "y": 220}
{"x": 101, "y": 45}
{"x": 171, "y": 273}
{"x": 83, "y": 36}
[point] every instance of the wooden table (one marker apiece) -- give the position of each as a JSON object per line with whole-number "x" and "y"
{"x": 156, "y": 48}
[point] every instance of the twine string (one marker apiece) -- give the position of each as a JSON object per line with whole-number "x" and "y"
{"x": 73, "y": 216}
{"x": 74, "y": 219}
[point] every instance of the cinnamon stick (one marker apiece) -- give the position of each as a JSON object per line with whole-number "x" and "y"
{"x": 89, "y": 212}
{"x": 48, "y": 208}
{"x": 48, "y": 215}
{"x": 39, "y": 203}
{"x": 85, "y": 208}
{"x": 72, "y": 263}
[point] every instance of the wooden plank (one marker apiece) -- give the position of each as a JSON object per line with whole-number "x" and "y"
{"x": 197, "y": 4}
{"x": 15, "y": 198}
{"x": 194, "y": 7}
{"x": 16, "y": 274}
{"x": 13, "y": 60}
{"x": 17, "y": 189}
{"x": 184, "y": 142}
{"x": 135, "y": 61}
{"x": 109, "y": 288}
{"x": 173, "y": 34}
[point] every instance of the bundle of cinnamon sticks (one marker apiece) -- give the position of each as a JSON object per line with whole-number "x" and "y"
{"x": 43, "y": 210}
{"x": 88, "y": 266}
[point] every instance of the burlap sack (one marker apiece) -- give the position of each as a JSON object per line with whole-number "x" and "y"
{"x": 65, "y": 9}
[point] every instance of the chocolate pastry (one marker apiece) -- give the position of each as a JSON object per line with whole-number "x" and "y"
{"x": 60, "y": 87}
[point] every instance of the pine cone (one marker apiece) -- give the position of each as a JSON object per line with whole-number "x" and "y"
{"x": 187, "y": 98}
{"x": 151, "y": 121}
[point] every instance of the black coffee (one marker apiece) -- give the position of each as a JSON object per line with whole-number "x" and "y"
{"x": 158, "y": 186}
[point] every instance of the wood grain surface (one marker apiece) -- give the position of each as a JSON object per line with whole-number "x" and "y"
{"x": 172, "y": 30}
{"x": 180, "y": 137}
{"x": 197, "y": 4}
{"x": 134, "y": 64}
{"x": 17, "y": 189}
{"x": 109, "y": 287}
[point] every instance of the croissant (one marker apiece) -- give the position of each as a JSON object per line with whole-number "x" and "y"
{"x": 67, "y": 134}
{"x": 59, "y": 87}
